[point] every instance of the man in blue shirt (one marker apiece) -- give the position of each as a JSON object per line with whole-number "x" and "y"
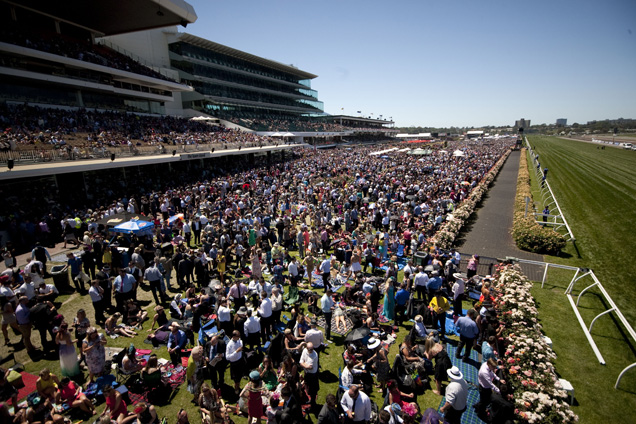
{"x": 123, "y": 288}
{"x": 76, "y": 267}
{"x": 401, "y": 301}
{"x": 434, "y": 284}
{"x": 176, "y": 341}
{"x": 468, "y": 332}
{"x": 327, "y": 306}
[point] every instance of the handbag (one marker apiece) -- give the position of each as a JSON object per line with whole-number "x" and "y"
{"x": 406, "y": 380}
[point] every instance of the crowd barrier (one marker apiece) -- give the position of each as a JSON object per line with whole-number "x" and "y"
{"x": 63, "y": 154}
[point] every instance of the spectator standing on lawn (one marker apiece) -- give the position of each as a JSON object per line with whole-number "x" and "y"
{"x": 468, "y": 333}
{"x": 456, "y": 397}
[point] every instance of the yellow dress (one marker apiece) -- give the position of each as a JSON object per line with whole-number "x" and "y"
{"x": 221, "y": 265}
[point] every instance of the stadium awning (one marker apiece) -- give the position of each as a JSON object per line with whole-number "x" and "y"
{"x": 110, "y": 17}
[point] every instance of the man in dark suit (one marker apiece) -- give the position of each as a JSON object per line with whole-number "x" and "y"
{"x": 196, "y": 230}
{"x": 103, "y": 276}
{"x": 329, "y": 412}
{"x": 291, "y": 412}
{"x": 185, "y": 268}
{"x": 215, "y": 360}
{"x": 199, "y": 270}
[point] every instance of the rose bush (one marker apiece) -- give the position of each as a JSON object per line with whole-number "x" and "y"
{"x": 528, "y": 358}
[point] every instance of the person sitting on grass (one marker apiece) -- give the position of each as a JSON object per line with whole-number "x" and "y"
{"x": 210, "y": 405}
{"x": 129, "y": 363}
{"x": 116, "y": 408}
{"x": 47, "y": 385}
{"x": 134, "y": 314}
{"x": 7, "y": 390}
{"x": 72, "y": 395}
{"x": 151, "y": 373}
{"x": 160, "y": 319}
{"x": 146, "y": 413}
{"x": 112, "y": 328}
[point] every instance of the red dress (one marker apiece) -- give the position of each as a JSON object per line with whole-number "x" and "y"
{"x": 397, "y": 397}
{"x": 255, "y": 403}
{"x": 110, "y": 402}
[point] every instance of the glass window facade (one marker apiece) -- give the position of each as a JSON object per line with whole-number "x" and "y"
{"x": 240, "y": 87}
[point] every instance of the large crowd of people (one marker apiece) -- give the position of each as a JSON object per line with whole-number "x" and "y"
{"x": 76, "y": 49}
{"x": 49, "y": 128}
{"x": 328, "y": 236}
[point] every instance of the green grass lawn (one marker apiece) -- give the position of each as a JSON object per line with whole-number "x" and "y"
{"x": 596, "y": 190}
{"x": 330, "y": 360}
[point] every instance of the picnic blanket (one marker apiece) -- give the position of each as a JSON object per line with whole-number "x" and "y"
{"x": 470, "y": 372}
{"x": 401, "y": 263}
{"x": 322, "y": 323}
{"x": 138, "y": 393}
{"x": 29, "y": 381}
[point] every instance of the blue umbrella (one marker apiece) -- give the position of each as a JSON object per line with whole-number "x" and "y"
{"x": 134, "y": 227}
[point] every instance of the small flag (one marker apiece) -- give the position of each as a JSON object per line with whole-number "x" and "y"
{"x": 359, "y": 111}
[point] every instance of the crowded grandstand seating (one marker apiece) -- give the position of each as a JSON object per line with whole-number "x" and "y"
{"x": 77, "y": 49}
{"x": 296, "y": 123}
{"x": 47, "y": 128}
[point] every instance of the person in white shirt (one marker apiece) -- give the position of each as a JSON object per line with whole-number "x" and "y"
{"x": 27, "y": 289}
{"x": 224, "y": 315}
{"x": 254, "y": 289}
{"x": 97, "y": 295}
{"x": 309, "y": 362}
{"x": 395, "y": 411}
{"x": 265, "y": 312}
{"x": 325, "y": 269}
{"x": 252, "y": 329}
{"x": 293, "y": 270}
{"x": 314, "y": 335}
{"x": 348, "y": 373}
{"x": 267, "y": 287}
{"x": 456, "y": 396}
{"x": 48, "y": 292}
{"x": 35, "y": 270}
{"x": 356, "y": 405}
{"x": 458, "y": 294}
{"x": 277, "y": 305}
{"x": 420, "y": 281}
{"x": 234, "y": 355}
{"x": 409, "y": 267}
{"x": 6, "y": 291}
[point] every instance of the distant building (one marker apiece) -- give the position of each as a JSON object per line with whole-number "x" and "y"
{"x": 561, "y": 122}
{"x": 474, "y": 134}
{"x": 522, "y": 123}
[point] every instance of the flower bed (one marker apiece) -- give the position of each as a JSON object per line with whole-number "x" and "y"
{"x": 528, "y": 358}
{"x": 449, "y": 230}
{"x": 527, "y": 234}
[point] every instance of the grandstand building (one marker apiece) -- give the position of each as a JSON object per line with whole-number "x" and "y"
{"x": 245, "y": 90}
{"x": 48, "y": 54}
{"x": 116, "y": 55}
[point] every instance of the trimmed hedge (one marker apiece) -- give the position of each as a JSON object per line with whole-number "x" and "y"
{"x": 527, "y": 234}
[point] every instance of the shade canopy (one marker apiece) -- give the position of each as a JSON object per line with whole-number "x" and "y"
{"x": 120, "y": 218}
{"x": 134, "y": 227}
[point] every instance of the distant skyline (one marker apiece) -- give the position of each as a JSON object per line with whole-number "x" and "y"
{"x": 440, "y": 64}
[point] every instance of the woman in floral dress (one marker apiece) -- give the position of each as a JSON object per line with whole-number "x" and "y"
{"x": 93, "y": 347}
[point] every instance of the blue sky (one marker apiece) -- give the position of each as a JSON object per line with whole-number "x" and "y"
{"x": 443, "y": 63}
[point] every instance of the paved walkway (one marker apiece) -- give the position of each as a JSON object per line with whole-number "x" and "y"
{"x": 489, "y": 234}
